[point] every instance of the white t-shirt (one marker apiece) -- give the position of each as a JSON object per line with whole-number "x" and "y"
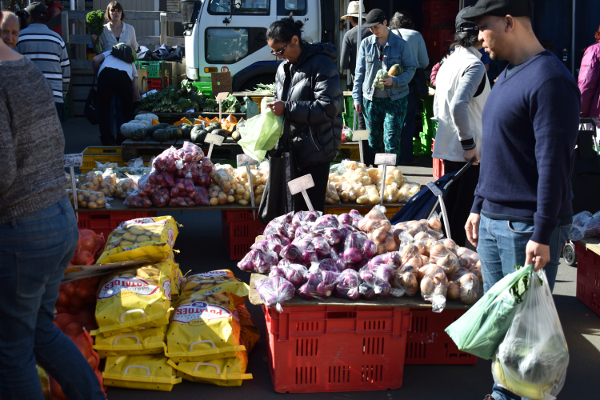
{"x": 115, "y": 63}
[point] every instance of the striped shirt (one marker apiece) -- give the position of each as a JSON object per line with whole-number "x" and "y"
{"x": 47, "y": 51}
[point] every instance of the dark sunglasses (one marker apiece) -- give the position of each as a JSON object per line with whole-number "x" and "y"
{"x": 115, "y": 10}
{"x": 280, "y": 52}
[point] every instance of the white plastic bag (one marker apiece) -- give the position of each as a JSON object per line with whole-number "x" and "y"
{"x": 533, "y": 358}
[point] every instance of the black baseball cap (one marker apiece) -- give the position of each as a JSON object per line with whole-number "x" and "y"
{"x": 374, "y": 17}
{"x": 500, "y": 8}
{"x": 36, "y": 9}
{"x": 463, "y": 25}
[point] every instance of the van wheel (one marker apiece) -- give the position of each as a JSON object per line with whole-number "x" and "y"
{"x": 569, "y": 254}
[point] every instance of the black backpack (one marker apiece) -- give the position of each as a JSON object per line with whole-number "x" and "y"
{"x": 123, "y": 52}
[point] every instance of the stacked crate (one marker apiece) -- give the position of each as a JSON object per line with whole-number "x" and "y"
{"x": 438, "y": 26}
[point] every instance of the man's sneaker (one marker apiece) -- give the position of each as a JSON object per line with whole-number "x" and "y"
{"x": 489, "y": 397}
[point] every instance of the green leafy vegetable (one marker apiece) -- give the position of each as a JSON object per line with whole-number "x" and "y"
{"x": 95, "y": 24}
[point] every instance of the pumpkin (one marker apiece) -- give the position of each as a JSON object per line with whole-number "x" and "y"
{"x": 236, "y": 136}
{"x": 138, "y": 134}
{"x": 183, "y": 121}
{"x": 175, "y": 132}
{"x": 210, "y": 128}
{"x": 215, "y": 124}
{"x": 187, "y": 130}
{"x": 155, "y": 122}
{"x": 146, "y": 117}
{"x": 198, "y": 134}
{"x": 161, "y": 135}
{"x": 396, "y": 70}
{"x": 131, "y": 126}
{"x": 154, "y": 128}
{"x": 220, "y": 132}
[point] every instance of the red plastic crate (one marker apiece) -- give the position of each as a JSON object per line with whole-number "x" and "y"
{"x": 238, "y": 236}
{"x": 433, "y": 5}
{"x": 428, "y": 344}
{"x": 588, "y": 277}
{"x": 236, "y": 216}
{"x": 106, "y": 221}
{"x": 154, "y": 83}
{"x": 438, "y": 166}
{"x": 336, "y": 349}
{"x": 437, "y": 41}
{"x": 438, "y": 14}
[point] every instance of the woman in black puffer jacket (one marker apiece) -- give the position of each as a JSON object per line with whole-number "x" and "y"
{"x": 308, "y": 94}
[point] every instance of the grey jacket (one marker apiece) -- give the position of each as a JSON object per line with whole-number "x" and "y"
{"x": 350, "y": 48}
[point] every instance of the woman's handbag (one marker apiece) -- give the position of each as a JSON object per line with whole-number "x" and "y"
{"x": 277, "y": 199}
{"x": 91, "y": 105}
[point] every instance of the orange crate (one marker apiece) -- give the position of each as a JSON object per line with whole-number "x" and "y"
{"x": 336, "y": 349}
{"x": 238, "y": 236}
{"x": 428, "y": 344}
{"x": 106, "y": 221}
{"x": 588, "y": 277}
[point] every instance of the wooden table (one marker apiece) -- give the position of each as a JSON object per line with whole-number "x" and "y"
{"x": 413, "y": 302}
{"x": 591, "y": 243}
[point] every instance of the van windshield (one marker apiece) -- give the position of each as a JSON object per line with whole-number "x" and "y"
{"x": 240, "y": 7}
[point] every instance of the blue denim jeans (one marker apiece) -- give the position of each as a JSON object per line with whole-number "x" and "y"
{"x": 501, "y": 246}
{"x": 35, "y": 251}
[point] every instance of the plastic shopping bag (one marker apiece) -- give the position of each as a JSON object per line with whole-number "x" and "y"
{"x": 533, "y": 358}
{"x": 260, "y": 134}
{"x": 481, "y": 329}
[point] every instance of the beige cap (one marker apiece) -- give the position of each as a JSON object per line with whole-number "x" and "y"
{"x": 353, "y": 9}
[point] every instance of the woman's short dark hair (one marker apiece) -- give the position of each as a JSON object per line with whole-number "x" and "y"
{"x": 118, "y": 6}
{"x": 466, "y": 39}
{"x": 402, "y": 20}
{"x": 284, "y": 30}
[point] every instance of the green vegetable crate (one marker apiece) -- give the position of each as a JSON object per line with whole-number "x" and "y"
{"x": 153, "y": 68}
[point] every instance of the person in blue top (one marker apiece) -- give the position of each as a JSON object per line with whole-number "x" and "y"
{"x": 522, "y": 210}
{"x": 385, "y": 106}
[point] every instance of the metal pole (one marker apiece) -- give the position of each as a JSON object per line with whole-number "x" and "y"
{"x": 573, "y": 39}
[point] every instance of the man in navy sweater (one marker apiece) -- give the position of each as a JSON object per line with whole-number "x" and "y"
{"x": 522, "y": 209}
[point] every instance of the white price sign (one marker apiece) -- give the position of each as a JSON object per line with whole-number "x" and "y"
{"x": 220, "y": 97}
{"x": 360, "y": 135}
{"x": 385, "y": 159}
{"x": 300, "y": 185}
{"x": 245, "y": 160}
{"x": 72, "y": 160}
{"x": 214, "y": 139}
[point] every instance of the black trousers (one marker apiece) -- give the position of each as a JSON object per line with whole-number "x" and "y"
{"x": 316, "y": 194}
{"x": 113, "y": 81}
{"x": 459, "y": 199}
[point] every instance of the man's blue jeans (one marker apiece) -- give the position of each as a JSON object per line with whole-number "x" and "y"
{"x": 501, "y": 246}
{"x": 34, "y": 252}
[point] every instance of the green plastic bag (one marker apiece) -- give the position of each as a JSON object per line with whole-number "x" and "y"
{"x": 481, "y": 329}
{"x": 260, "y": 134}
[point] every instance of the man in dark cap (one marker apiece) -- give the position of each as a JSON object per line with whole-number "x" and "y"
{"x": 47, "y": 51}
{"x": 522, "y": 210}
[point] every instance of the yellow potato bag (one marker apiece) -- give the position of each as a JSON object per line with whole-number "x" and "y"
{"x": 200, "y": 331}
{"x": 145, "y": 341}
{"x": 132, "y": 299}
{"x": 223, "y": 372}
{"x": 215, "y": 287}
{"x": 171, "y": 268}
{"x": 150, "y": 372}
{"x": 141, "y": 239}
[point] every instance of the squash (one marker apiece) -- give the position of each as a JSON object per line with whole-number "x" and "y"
{"x": 236, "y": 136}
{"x": 146, "y": 117}
{"x": 175, "y": 132}
{"x": 130, "y": 126}
{"x": 138, "y": 134}
{"x": 161, "y": 135}
{"x": 198, "y": 134}
{"x": 220, "y": 132}
{"x": 155, "y": 122}
{"x": 183, "y": 121}
{"x": 396, "y": 70}
{"x": 215, "y": 124}
{"x": 187, "y": 130}
{"x": 210, "y": 128}
{"x": 154, "y": 128}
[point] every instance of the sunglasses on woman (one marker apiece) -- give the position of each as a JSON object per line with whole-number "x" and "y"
{"x": 115, "y": 10}
{"x": 280, "y": 52}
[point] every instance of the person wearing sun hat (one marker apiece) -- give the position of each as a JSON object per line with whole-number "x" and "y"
{"x": 522, "y": 211}
{"x": 384, "y": 109}
{"x": 350, "y": 46}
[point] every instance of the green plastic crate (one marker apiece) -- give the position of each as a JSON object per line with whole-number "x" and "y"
{"x": 204, "y": 87}
{"x": 153, "y": 68}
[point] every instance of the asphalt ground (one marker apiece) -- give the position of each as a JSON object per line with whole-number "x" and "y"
{"x": 202, "y": 249}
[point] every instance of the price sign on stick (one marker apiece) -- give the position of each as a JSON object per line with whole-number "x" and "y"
{"x": 213, "y": 140}
{"x": 300, "y": 185}
{"x": 244, "y": 160}
{"x": 220, "y": 97}
{"x": 71, "y": 161}
{"x": 385, "y": 160}
{"x": 360, "y": 136}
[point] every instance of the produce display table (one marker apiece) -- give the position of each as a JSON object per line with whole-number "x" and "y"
{"x": 134, "y": 149}
{"x": 588, "y": 272}
{"x": 174, "y": 117}
{"x": 337, "y": 345}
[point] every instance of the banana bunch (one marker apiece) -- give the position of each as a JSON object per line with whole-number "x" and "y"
{"x": 88, "y": 199}
{"x": 133, "y": 235}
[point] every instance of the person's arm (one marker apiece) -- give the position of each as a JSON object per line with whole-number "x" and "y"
{"x": 422, "y": 56}
{"x": 588, "y": 82}
{"x": 555, "y": 112}
{"x": 55, "y": 11}
{"x": 359, "y": 75}
{"x": 134, "y": 42}
{"x": 327, "y": 98}
{"x": 8, "y": 161}
{"x": 345, "y": 55}
{"x": 409, "y": 65}
{"x": 97, "y": 62}
{"x": 434, "y": 72}
{"x": 459, "y": 106}
{"x": 66, "y": 69}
